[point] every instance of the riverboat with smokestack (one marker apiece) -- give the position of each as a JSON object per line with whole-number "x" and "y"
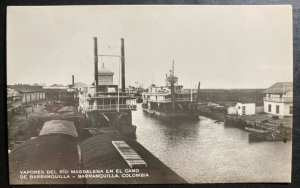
{"x": 106, "y": 105}
{"x": 171, "y": 101}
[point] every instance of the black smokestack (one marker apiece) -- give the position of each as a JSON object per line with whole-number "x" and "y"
{"x": 123, "y": 64}
{"x": 96, "y": 63}
{"x": 73, "y": 82}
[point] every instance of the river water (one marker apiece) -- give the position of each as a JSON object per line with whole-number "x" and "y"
{"x": 205, "y": 151}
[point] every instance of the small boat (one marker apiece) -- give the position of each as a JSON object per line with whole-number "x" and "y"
{"x": 267, "y": 137}
{"x": 254, "y": 130}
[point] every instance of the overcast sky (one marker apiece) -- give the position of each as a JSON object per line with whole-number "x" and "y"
{"x": 221, "y": 46}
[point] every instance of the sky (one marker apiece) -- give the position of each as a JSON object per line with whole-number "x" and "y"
{"x": 219, "y": 46}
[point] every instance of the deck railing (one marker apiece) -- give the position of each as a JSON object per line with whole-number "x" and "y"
{"x": 105, "y": 95}
{"x": 278, "y": 99}
{"x": 112, "y": 107}
{"x": 169, "y": 100}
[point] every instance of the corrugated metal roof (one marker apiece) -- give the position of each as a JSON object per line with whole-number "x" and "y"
{"x": 59, "y": 127}
{"x": 56, "y": 86}
{"x": 26, "y": 88}
{"x": 280, "y": 88}
{"x": 79, "y": 85}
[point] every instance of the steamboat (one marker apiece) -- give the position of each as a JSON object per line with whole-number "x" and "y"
{"x": 171, "y": 101}
{"x": 107, "y": 106}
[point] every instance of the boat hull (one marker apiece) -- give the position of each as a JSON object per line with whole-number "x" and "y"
{"x": 267, "y": 137}
{"x": 118, "y": 121}
{"x": 171, "y": 116}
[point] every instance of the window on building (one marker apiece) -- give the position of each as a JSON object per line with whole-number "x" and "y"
{"x": 277, "y": 109}
{"x": 291, "y": 109}
{"x": 243, "y": 110}
{"x": 269, "y": 108}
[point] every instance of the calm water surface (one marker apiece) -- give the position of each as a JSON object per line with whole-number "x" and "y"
{"x": 206, "y": 151}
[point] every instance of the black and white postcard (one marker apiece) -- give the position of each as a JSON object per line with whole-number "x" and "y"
{"x": 157, "y": 94}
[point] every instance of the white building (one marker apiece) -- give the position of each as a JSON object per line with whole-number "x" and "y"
{"x": 242, "y": 109}
{"x": 278, "y": 99}
{"x": 28, "y": 93}
{"x": 14, "y": 99}
{"x": 245, "y": 108}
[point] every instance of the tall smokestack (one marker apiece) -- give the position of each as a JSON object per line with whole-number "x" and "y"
{"x": 96, "y": 63}
{"x": 173, "y": 68}
{"x": 198, "y": 93}
{"x": 123, "y": 64}
{"x": 73, "y": 82}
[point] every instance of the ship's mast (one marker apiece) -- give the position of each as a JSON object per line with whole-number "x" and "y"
{"x": 198, "y": 94}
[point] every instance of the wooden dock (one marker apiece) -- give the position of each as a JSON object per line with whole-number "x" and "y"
{"x": 262, "y": 127}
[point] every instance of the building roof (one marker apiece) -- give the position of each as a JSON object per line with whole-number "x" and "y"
{"x": 56, "y": 86}
{"x": 12, "y": 93}
{"x": 79, "y": 85}
{"x": 26, "y": 88}
{"x": 280, "y": 88}
{"x": 104, "y": 71}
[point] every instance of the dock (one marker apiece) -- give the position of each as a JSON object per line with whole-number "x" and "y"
{"x": 262, "y": 127}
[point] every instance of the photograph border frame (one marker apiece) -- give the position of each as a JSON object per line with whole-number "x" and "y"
{"x": 296, "y": 79}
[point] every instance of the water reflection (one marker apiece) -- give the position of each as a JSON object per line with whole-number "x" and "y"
{"x": 206, "y": 151}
